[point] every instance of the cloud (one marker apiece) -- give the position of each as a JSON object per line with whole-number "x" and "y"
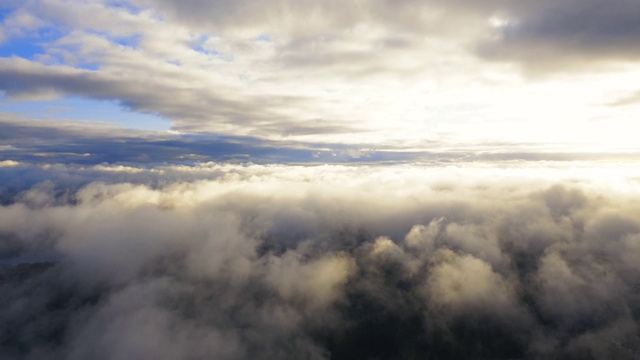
{"x": 24, "y": 79}
{"x": 543, "y": 35}
{"x": 122, "y": 55}
{"x": 85, "y": 142}
{"x": 171, "y": 59}
{"x": 88, "y": 143}
{"x": 627, "y": 100}
{"x": 393, "y": 74}
{"x": 472, "y": 226}
{"x": 563, "y": 35}
{"x": 265, "y": 261}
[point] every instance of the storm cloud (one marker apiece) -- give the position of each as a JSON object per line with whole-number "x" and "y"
{"x": 282, "y": 261}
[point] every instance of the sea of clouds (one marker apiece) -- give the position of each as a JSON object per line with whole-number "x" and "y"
{"x": 219, "y": 261}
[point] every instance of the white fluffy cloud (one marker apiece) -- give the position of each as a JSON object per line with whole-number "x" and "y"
{"x": 294, "y": 261}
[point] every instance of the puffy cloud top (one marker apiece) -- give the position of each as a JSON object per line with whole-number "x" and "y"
{"x": 281, "y": 261}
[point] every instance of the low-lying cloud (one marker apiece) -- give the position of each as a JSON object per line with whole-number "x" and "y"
{"x": 336, "y": 262}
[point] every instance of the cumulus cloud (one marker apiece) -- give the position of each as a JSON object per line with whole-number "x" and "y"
{"x": 275, "y": 261}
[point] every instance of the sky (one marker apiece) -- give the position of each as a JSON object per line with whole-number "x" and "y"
{"x": 319, "y": 179}
{"x": 375, "y": 76}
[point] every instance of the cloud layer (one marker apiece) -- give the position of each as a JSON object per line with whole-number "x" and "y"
{"x": 277, "y": 261}
{"x": 370, "y": 71}
{"x": 492, "y": 214}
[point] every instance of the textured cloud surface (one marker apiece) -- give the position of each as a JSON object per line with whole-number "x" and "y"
{"x": 340, "y": 262}
{"x": 319, "y": 179}
{"x": 394, "y": 73}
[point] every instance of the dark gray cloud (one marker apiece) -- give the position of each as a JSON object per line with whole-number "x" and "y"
{"x": 85, "y": 143}
{"x": 566, "y": 35}
{"x": 544, "y": 35}
{"x": 312, "y": 262}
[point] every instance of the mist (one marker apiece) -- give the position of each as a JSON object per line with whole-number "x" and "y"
{"x": 321, "y": 262}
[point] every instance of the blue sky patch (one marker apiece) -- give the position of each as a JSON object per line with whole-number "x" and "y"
{"x": 199, "y": 47}
{"x": 264, "y": 38}
{"x": 79, "y": 109}
{"x": 132, "y": 41}
{"x": 4, "y": 12}
{"x": 29, "y": 47}
{"x": 21, "y": 49}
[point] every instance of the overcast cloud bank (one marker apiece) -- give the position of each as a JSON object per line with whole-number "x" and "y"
{"x": 367, "y": 71}
{"x": 237, "y": 262}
